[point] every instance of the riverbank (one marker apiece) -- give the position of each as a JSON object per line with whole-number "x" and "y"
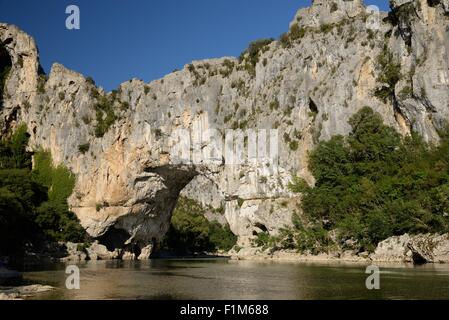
{"x": 417, "y": 249}
{"x": 12, "y": 286}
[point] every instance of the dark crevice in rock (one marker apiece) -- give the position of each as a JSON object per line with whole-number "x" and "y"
{"x": 41, "y": 71}
{"x": 8, "y": 41}
{"x": 6, "y": 123}
{"x": 418, "y": 258}
{"x": 135, "y": 249}
{"x": 261, "y": 227}
{"x": 5, "y": 59}
{"x": 399, "y": 114}
{"x": 114, "y": 238}
{"x": 312, "y": 106}
{"x": 5, "y": 67}
{"x": 433, "y": 3}
{"x": 156, "y": 247}
{"x": 427, "y": 104}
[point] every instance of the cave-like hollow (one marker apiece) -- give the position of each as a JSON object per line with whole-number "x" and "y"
{"x": 5, "y": 67}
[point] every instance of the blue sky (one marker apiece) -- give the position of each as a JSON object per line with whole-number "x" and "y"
{"x": 147, "y": 39}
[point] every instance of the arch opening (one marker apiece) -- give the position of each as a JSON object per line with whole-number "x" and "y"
{"x": 198, "y": 225}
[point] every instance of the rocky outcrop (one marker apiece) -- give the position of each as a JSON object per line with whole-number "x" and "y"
{"x": 74, "y": 253}
{"x": 417, "y": 249}
{"x": 97, "y": 251}
{"x": 328, "y": 12}
{"x": 295, "y": 91}
{"x": 77, "y": 252}
{"x": 427, "y": 248}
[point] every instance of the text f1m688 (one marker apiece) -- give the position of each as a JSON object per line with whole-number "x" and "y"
{"x": 246, "y": 310}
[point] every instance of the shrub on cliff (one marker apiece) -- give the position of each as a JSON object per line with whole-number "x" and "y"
{"x": 389, "y": 76}
{"x": 84, "y": 148}
{"x": 294, "y": 34}
{"x": 252, "y": 53}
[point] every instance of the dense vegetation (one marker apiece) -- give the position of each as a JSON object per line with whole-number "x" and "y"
{"x": 191, "y": 232}
{"x": 369, "y": 186}
{"x": 33, "y": 203}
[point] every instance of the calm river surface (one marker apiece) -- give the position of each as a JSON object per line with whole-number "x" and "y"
{"x": 224, "y": 279}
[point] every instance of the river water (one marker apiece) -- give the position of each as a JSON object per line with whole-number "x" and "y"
{"x": 226, "y": 279}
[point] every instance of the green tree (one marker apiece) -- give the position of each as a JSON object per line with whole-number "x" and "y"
{"x": 191, "y": 232}
{"x": 374, "y": 184}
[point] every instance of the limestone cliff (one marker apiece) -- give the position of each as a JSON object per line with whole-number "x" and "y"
{"x": 337, "y": 57}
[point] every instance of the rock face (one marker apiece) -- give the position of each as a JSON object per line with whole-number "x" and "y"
{"x": 99, "y": 252}
{"x": 427, "y": 248}
{"x": 295, "y": 92}
{"x": 328, "y": 12}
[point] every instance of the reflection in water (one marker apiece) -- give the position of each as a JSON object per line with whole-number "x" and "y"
{"x": 243, "y": 280}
